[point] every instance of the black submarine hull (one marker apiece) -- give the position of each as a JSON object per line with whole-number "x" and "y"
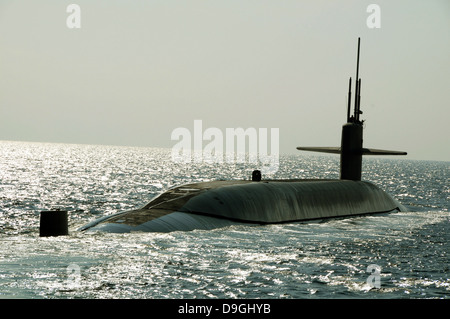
{"x": 216, "y": 204}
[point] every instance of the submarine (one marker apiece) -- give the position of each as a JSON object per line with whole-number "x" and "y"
{"x": 216, "y": 204}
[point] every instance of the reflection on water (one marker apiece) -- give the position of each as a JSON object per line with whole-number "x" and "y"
{"x": 302, "y": 260}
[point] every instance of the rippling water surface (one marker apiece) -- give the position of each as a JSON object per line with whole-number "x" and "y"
{"x": 401, "y": 255}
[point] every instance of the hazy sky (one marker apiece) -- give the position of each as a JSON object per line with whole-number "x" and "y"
{"x": 137, "y": 70}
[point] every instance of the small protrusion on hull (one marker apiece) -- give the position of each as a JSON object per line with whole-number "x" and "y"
{"x": 53, "y": 223}
{"x": 256, "y": 175}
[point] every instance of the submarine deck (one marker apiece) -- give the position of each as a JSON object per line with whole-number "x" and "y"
{"x": 262, "y": 202}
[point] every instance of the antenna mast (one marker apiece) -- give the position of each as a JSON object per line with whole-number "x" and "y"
{"x": 349, "y": 99}
{"x": 357, "y": 87}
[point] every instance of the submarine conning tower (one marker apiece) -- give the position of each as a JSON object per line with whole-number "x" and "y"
{"x": 351, "y": 150}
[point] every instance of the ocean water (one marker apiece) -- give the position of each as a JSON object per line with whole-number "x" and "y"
{"x": 399, "y": 255}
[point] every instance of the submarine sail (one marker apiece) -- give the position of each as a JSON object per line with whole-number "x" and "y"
{"x": 209, "y": 205}
{"x": 351, "y": 150}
